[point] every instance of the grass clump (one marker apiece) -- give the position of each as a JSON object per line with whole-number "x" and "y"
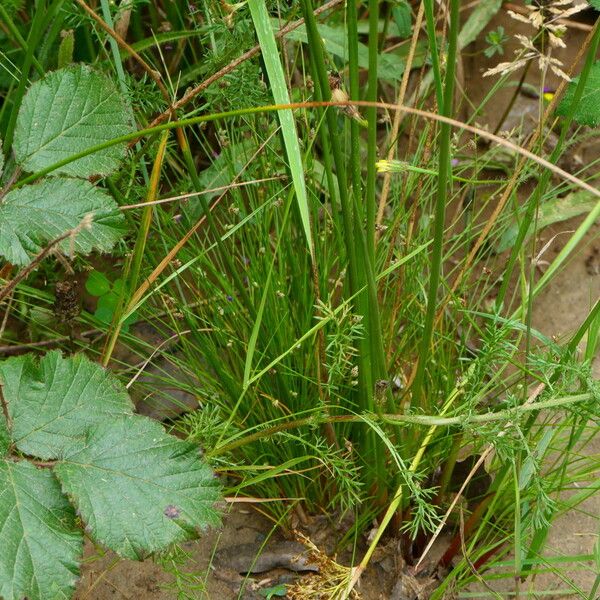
{"x": 328, "y": 272}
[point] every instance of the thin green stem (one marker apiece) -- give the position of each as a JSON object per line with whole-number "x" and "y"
{"x": 444, "y": 168}
{"x": 544, "y": 179}
{"x": 371, "y": 113}
{"x": 33, "y": 39}
{"x": 151, "y": 131}
{"x": 433, "y": 50}
{"x": 365, "y": 376}
{"x": 378, "y": 362}
{"x": 421, "y": 420}
{"x": 316, "y": 47}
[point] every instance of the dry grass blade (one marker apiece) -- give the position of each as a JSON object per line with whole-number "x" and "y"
{"x": 385, "y": 189}
{"x": 223, "y": 188}
{"x": 329, "y": 584}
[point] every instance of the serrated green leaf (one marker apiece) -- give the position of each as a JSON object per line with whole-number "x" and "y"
{"x": 595, "y": 4}
{"x": 4, "y": 437}
{"x": 40, "y": 546}
{"x": 587, "y": 111}
{"x": 67, "y": 112}
{"x": 137, "y": 488}
{"x": 53, "y": 402}
{"x": 36, "y": 214}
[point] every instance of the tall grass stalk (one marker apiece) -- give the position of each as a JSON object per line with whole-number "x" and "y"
{"x": 266, "y": 39}
{"x": 543, "y": 182}
{"x": 134, "y": 267}
{"x": 444, "y": 169}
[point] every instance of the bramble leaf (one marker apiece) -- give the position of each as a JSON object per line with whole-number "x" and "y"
{"x": 40, "y": 546}
{"x": 4, "y": 437}
{"x": 53, "y": 402}
{"x": 587, "y": 111}
{"x": 36, "y": 214}
{"x": 139, "y": 489}
{"x": 67, "y": 112}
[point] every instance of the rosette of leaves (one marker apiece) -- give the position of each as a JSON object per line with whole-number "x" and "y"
{"x": 66, "y": 113}
{"x": 72, "y": 451}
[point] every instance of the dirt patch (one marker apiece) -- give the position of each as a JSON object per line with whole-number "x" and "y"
{"x": 106, "y": 577}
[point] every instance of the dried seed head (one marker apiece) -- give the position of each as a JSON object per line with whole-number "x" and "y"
{"x": 66, "y": 302}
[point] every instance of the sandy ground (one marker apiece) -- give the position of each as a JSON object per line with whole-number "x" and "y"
{"x": 106, "y": 577}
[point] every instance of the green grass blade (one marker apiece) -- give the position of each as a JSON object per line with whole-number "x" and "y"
{"x": 444, "y": 171}
{"x": 313, "y": 330}
{"x": 256, "y": 328}
{"x": 266, "y": 39}
{"x": 14, "y": 32}
{"x": 261, "y": 309}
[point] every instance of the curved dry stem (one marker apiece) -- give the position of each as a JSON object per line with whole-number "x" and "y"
{"x": 191, "y": 94}
{"x": 398, "y": 118}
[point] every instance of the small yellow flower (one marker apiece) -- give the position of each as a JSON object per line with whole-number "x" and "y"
{"x": 548, "y": 96}
{"x": 383, "y": 166}
{"x": 390, "y": 166}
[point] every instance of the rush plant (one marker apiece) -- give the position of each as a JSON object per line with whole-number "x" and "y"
{"x": 346, "y": 271}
